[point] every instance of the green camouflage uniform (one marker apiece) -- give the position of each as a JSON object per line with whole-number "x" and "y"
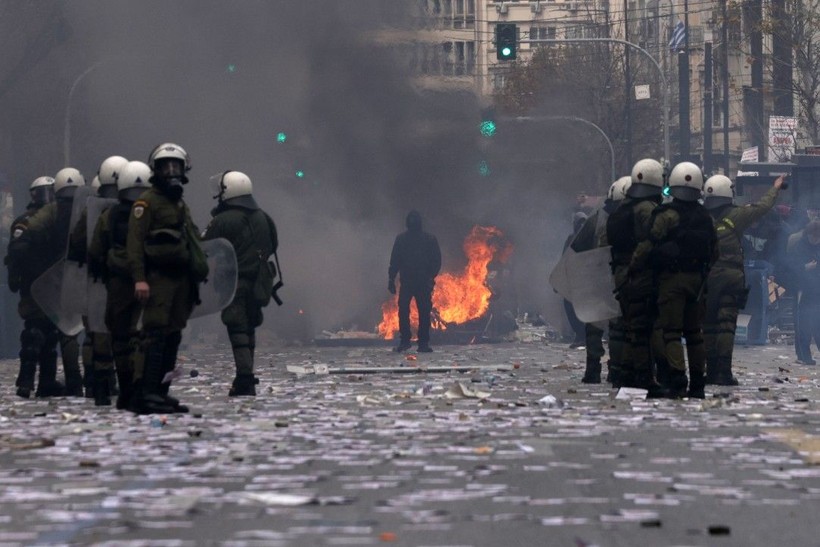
{"x": 593, "y": 235}
{"x": 636, "y": 294}
{"x": 681, "y": 281}
{"x": 96, "y": 350}
{"x": 253, "y": 236}
{"x": 47, "y": 232}
{"x": 39, "y": 337}
{"x": 108, "y": 259}
{"x": 727, "y": 285}
{"x": 157, "y": 249}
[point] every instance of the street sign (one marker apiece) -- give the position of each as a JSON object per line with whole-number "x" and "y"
{"x": 642, "y": 92}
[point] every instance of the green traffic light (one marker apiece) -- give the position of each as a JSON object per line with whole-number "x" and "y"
{"x": 487, "y": 128}
{"x": 667, "y": 191}
{"x": 281, "y": 137}
{"x": 300, "y": 174}
{"x": 483, "y": 168}
{"x": 506, "y": 52}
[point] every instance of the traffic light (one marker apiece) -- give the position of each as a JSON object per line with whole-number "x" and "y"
{"x": 506, "y": 41}
{"x": 488, "y": 127}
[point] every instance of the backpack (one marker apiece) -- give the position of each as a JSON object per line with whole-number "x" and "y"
{"x": 691, "y": 244}
{"x": 620, "y": 229}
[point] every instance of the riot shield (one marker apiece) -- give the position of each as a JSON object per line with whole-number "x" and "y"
{"x": 590, "y": 285}
{"x": 216, "y": 292}
{"x": 96, "y": 295}
{"x": 46, "y": 291}
{"x": 74, "y": 293}
{"x": 559, "y": 278}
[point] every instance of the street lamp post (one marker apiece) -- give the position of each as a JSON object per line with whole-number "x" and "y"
{"x": 642, "y": 50}
{"x": 573, "y": 119}
{"x": 67, "y": 122}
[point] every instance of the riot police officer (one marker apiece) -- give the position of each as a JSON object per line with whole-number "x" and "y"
{"x": 591, "y": 236}
{"x": 108, "y": 260}
{"x": 253, "y": 235}
{"x": 727, "y": 281}
{"x": 682, "y": 247}
{"x": 46, "y": 235}
{"x": 627, "y": 227}
{"x": 39, "y": 338}
{"x": 96, "y": 350}
{"x": 161, "y": 245}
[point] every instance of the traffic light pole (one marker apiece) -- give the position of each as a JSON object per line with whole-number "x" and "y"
{"x": 642, "y": 50}
{"x": 572, "y": 119}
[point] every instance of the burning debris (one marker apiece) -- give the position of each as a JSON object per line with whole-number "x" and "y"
{"x": 463, "y": 298}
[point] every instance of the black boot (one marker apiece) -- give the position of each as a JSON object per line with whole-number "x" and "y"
{"x": 697, "y": 385}
{"x": 169, "y": 363}
{"x": 676, "y": 383}
{"x": 102, "y": 396}
{"x": 723, "y": 373}
{"x": 244, "y": 385}
{"x": 125, "y": 379}
{"x": 47, "y": 384}
{"x": 25, "y": 378}
{"x": 592, "y": 374}
{"x": 146, "y": 398}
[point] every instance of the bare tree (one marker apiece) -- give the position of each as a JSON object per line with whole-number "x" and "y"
{"x": 794, "y": 67}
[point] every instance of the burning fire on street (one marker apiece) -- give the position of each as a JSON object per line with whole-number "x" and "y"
{"x": 457, "y": 297}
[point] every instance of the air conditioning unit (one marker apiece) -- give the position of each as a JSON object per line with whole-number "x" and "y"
{"x": 535, "y": 7}
{"x": 501, "y": 8}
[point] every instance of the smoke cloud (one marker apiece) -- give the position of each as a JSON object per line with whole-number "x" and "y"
{"x": 222, "y": 79}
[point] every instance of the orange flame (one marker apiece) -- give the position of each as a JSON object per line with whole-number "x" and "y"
{"x": 457, "y": 298}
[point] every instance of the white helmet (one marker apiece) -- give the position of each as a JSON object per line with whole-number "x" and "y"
{"x": 133, "y": 180}
{"x": 647, "y": 179}
{"x": 41, "y": 190}
{"x": 235, "y": 186}
{"x": 717, "y": 191}
{"x": 95, "y": 182}
{"x": 67, "y": 180}
{"x": 110, "y": 169}
{"x": 618, "y": 189}
{"x": 686, "y": 182}
{"x": 170, "y": 150}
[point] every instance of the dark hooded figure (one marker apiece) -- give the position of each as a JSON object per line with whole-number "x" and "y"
{"x": 416, "y": 258}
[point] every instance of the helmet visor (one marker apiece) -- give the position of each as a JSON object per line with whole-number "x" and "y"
{"x": 42, "y": 194}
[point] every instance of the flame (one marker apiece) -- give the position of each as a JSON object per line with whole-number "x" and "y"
{"x": 457, "y": 298}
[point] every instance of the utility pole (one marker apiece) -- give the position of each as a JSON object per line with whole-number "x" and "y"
{"x": 628, "y": 89}
{"x": 683, "y": 83}
{"x": 707, "y": 107}
{"x": 724, "y": 76}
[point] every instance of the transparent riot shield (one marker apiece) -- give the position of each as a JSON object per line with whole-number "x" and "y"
{"x": 590, "y": 286}
{"x": 47, "y": 290}
{"x": 97, "y": 295}
{"x": 218, "y": 290}
{"x": 559, "y": 279}
{"x": 74, "y": 291}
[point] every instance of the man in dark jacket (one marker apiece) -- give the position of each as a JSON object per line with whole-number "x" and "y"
{"x": 253, "y": 235}
{"x": 803, "y": 253}
{"x": 416, "y": 258}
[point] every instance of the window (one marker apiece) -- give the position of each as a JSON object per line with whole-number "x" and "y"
{"x": 499, "y": 80}
{"x": 542, "y": 33}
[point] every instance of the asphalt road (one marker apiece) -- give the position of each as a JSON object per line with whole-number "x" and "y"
{"x": 371, "y": 459}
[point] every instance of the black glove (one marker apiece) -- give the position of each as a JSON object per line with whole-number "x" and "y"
{"x": 391, "y": 286}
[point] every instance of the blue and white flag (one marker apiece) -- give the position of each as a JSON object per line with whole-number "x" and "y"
{"x": 678, "y": 36}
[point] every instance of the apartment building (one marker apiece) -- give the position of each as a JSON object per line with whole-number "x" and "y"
{"x": 454, "y": 49}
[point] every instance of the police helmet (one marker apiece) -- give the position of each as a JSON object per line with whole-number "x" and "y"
{"x": 66, "y": 181}
{"x": 166, "y": 152}
{"x": 110, "y": 169}
{"x": 133, "y": 180}
{"x": 686, "y": 182}
{"x": 41, "y": 190}
{"x": 718, "y": 190}
{"x": 618, "y": 189}
{"x": 647, "y": 179}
